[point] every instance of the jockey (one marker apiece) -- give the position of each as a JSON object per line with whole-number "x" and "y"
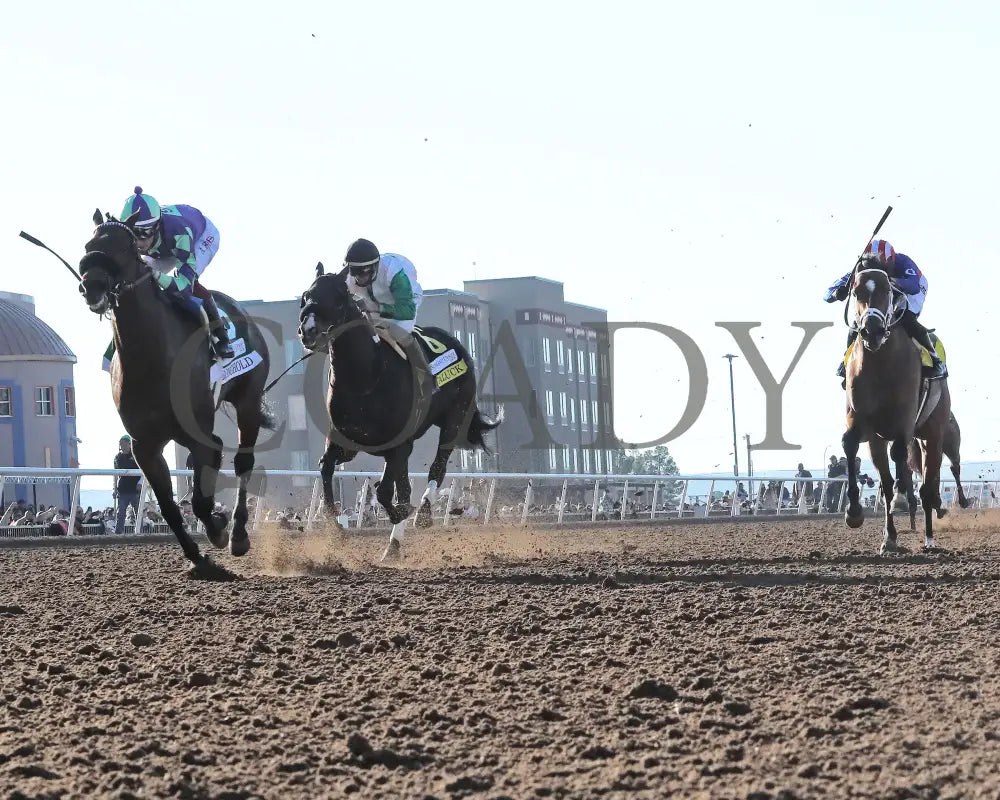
{"x": 387, "y": 288}
{"x": 906, "y": 276}
{"x": 166, "y": 235}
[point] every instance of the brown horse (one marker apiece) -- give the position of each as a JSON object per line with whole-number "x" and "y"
{"x": 161, "y": 387}
{"x": 952, "y": 446}
{"x": 884, "y": 405}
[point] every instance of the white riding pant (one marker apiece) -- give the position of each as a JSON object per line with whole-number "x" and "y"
{"x": 915, "y": 302}
{"x": 206, "y": 247}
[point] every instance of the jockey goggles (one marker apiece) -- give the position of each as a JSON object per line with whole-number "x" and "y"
{"x": 361, "y": 269}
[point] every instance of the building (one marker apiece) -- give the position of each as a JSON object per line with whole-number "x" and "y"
{"x": 559, "y": 399}
{"x": 37, "y": 401}
{"x": 562, "y": 386}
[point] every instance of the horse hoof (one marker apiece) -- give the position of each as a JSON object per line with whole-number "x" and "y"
{"x": 239, "y": 545}
{"x": 400, "y": 512}
{"x": 854, "y": 522}
{"x": 889, "y": 546}
{"x": 392, "y": 552}
{"x": 941, "y": 512}
{"x": 423, "y": 520}
{"x": 220, "y": 537}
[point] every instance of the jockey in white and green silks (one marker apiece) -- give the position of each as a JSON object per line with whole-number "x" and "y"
{"x": 386, "y": 286}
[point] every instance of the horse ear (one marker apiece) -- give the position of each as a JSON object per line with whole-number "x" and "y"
{"x": 98, "y": 219}
{"x": 130, "y": 222}
{"x": 319, "y": 268}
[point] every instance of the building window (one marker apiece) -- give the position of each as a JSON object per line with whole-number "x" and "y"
{"x": 593, "y": 406}
{"x": 566, "y": 459}
{"x": 69, "y": 402}
{"x": 552, "y": 458}
{"x": 43, "y": 401}
{"x": 569, "y": 360}
{"x": 296, "y": 412}
{"x": 611, "y": 467}
{"x": 549, "y": 405}
{"x": 572, "y": 414}
{"x": 529, "y": 352}
{"x": 458, "y": 335}
{"x": 300, "y": 462}
{"x": 546, "y": 354}
{"x": 561, "y": 355}
{"x": 593, "y": 366}
{"x": 576, "y": 463}
{"x": 464, "y": 459}
{"x": 607, "y": 414}
{"x": 582, "y": 376}
{"x": 293, "y": 352}
{"x": 604, "y": 366}
{"x": 562, "y": 408}
{"x": 583, "y": 412}
{"x": 597, "y": 461}
{"x": 6, "y": 404}
{"x": 48, "y": 457}
{"x": 586, "y": 461}
{"x": 471, "y": 336}
{"x": 479, "y": 460}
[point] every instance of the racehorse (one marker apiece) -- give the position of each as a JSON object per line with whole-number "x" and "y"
{"x": 161, "y": 387}
{"x": 885, "y": 404}
{"x": 371, "y": 401}
{"x": 952, "y": 445}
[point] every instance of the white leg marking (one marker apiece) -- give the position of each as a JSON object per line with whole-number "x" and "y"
{"x": 430, "y": 493}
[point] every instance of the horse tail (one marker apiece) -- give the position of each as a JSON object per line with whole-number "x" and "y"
{"x": 481, "y": 424}
{"x": 914, "y": 458}
{"x": 268, "y": 420}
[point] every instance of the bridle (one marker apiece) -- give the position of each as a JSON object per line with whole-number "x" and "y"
{"x": 893, "y": 313}
{"x": 114, "y": 291}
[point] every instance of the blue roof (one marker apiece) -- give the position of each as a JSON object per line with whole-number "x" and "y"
{"x": 24, "y": 336}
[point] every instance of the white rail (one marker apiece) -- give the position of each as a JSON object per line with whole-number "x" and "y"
{"x": 517, "y": 498}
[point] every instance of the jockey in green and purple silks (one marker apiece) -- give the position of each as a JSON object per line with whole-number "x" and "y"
{"x": 179, "y": 242}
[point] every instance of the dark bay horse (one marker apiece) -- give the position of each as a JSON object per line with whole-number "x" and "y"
{"x": 371, "y": 406}
{"x": 883, "y": 405}
{"x": 952, "y": 446}
{"x": 160, "y": 383}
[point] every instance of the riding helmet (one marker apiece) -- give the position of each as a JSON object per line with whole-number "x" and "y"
{"x": 146, "y": 205}
{"x": 362, "y": 261}
{"x": 881, "y": 251}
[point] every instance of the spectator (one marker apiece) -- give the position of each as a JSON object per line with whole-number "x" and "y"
{"x": 801, "y": 488}
{"x": 127, "y": 486}
{"x": 837, "y": 469}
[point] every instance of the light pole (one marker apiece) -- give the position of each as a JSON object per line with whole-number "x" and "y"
{"x": 732, "y": 400}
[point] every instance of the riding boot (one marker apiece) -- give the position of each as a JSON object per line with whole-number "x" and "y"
{"x": 842, "y": 368}
{"x": 922, "y": 336}
{"x": 417, "y": 357}
{"x": 217, "y": 329}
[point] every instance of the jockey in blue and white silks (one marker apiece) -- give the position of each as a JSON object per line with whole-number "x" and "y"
{"x": 179, "y": 242}
{"x": 906, "y": 276}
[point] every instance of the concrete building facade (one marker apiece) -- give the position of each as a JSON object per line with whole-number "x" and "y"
{"x": 37, "y": 401}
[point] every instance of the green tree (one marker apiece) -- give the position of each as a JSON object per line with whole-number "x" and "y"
{"x": 652, "y": 461}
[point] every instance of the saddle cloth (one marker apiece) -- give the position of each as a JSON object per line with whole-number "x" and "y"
{"x": 445, "y": 363}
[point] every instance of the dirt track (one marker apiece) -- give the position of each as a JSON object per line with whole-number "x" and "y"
{"x": 726, "y": 660}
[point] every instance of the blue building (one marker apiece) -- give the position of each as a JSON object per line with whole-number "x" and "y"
{"x": 37, "y": 401}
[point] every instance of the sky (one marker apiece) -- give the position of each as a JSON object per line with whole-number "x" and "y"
{"x": 677, "y": 163}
